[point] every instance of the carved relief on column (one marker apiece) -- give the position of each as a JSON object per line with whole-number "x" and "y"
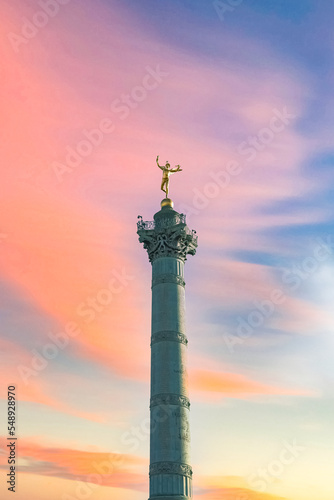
{"x": 170, "y": 336}
{"x": 168, "y": 278}
{"x": 170, "y": 399}
{"x": 171, "y": 468}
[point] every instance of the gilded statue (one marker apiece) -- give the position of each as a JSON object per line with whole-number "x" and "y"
{"x": 166, "y": 172}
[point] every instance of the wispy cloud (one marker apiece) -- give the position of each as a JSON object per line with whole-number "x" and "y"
{"x": 115, "y": 470}
{"x": 213, "y": 383}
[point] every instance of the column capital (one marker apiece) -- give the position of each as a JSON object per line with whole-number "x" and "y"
{"x": 167, "y": 236}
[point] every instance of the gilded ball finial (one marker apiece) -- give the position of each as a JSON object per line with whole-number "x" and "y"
{"x": 167, "y": 202}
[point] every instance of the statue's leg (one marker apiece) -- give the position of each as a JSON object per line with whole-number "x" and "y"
{"x": 163, "y": 184}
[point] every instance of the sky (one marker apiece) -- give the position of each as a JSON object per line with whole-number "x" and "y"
{"x": 240, "y": 94}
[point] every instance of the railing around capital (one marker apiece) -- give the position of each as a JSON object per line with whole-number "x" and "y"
{"x": 146, "y": 225}
{"x": 161, "y": 223}
{"x": 166, "y": 222}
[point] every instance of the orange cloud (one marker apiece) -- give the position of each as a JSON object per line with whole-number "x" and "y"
{"x": 69, "y": 258}
{"x": 236, "y": 494}
{"x": 233, "y": 385}
{"x": 38, "y": 389}
{"x": 106, "y": 469}
{"x": 60, "y": 249}
{"x": 229, "y": 488}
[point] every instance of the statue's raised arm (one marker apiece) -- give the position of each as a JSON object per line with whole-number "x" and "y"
{"x": 157, "y": 160}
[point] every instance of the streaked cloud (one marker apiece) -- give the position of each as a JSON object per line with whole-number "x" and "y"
{"x": 105, "y": 469}
{"x": 234, "y": 385}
